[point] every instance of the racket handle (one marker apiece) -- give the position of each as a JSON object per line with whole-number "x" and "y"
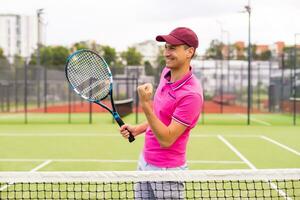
{"x": 121, "y": 123}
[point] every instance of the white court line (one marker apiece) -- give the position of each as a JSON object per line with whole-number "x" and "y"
{"x": 41, "y": 166}
{"x": 281, "y": 145}
{"x": 33, "y": 170}
{"x": 256, "y": 120}
{"x": 243, "y": 158}
{"x": 111, "y": 161}
{"x": 273, "y": 186}
{"x": 102, "y": 135}
{"x": 10, "y": 116}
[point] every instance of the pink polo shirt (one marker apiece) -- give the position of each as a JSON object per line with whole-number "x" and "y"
{"x": 181, "y": 101}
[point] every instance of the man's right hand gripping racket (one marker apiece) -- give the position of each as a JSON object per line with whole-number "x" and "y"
{"x": 90, "y": 77}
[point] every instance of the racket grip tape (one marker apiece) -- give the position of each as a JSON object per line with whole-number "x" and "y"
{"x": 121, "y": 123}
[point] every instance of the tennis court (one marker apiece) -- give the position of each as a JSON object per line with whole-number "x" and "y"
{"x": 85, "y": 147}
{"x": 42, "y": 146}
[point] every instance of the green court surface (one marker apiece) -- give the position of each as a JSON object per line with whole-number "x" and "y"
{"x": 103, "y": 118}
{"x": 44, "y": 144}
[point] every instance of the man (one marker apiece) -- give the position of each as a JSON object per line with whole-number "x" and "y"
{"x": 176, "y": 108}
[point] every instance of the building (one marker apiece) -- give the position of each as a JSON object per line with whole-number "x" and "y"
{"x": 261, "y": 48}
{"x": 234, "y": 74}
{"x": 149, "y": 49}
{"x": 277, "y": 49}
{"x": 18, "y": 35}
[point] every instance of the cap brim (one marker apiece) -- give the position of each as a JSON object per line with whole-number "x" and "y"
{"x": 168, "y": 39}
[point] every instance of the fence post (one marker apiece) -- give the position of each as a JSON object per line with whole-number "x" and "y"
{"x": 25, "y": 91}
{"x": 136, "y": 102}
{"x": 45, "y": 90}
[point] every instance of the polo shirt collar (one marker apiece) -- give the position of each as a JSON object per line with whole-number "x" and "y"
{"x": 177, "y": 84}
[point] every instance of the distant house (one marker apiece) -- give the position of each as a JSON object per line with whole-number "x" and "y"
{"x": 149, "y": 49}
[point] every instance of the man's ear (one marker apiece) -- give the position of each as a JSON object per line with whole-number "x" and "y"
{"x": 190, "y": 52}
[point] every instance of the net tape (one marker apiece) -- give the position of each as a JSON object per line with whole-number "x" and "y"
{"x": 215, "y": 184}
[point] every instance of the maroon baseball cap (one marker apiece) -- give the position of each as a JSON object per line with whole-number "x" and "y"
{"x": 180, "y": 35}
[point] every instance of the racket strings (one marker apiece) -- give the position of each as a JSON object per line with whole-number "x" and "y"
{"x": 89, "y": 75}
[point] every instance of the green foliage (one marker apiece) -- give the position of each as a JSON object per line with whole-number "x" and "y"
{"x": 1, "y": 53}
{"x": 161, "y": 63}
{"x": 266, "y": 55}
{"x": 59, "y": 55}
{"x": 4, "y": 64}
{"x": 215, "y": 50}
{"x": 53, "y": 57}
{"x": 80, "y": 45}
{"x": 148, "y": 68}
{"x": 160, "y": 60}
{"x": 132, "y": 56}
{"x": 289, "y": 57}
{"x": 18, "y": 61}
{"x": 109, "y": 55}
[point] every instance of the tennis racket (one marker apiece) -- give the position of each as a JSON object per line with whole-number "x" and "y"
{"x": 90, "y": 77}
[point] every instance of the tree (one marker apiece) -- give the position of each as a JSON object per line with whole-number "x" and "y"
{"x": 80, "y": 45}
{"x": 3, "y": 61}
{"x": 53, "y": 57}
{"x": 254, "y": 55}
{"x": 132, "y": 56}
{"x": 215, "y": 50}
{"x": 109, "y": 55}
{"x": 161, "y": 63}
{"x": 148, "y": 68}
{"x": 266, "y": 55}
{"x": 59, "y": 55}
{"x": 1, "y": 53}
{"x": 289, "y": 57}
{"x": 19, "y": 61}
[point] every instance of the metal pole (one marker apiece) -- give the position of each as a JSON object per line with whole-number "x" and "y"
{"x": 38, "y": 60}
{"x": 45, "y": 90}
{"x": 16, "y": 90}
{"x": 258, "y": 86}
{"x": 25, "y": 91}
{"x": 221, "y": 65}
{"x": 269, "y": 96}
{"x": 136, "y": 102}
{"x": 69, "y": 107}
{"x": 248, "y": 9}
{"x": 294, "y": 78}
{"x": 282, "y": 83}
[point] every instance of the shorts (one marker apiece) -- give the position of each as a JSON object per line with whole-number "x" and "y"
{"x": 158, "y": 190}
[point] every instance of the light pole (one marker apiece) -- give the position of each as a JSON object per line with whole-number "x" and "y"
{"x": 248, "y": 10}
{"x": 39, "y": 12}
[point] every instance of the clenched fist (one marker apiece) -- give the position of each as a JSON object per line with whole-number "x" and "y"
{"x": 145, "y": 92}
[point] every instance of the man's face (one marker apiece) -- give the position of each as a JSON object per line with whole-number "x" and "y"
{"x": 177, "y": 55}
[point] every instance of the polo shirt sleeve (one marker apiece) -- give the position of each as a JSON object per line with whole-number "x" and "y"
{"x": 188, "y": 110}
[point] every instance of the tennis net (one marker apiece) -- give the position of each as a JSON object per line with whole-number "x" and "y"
{"x": 194, "y": 184}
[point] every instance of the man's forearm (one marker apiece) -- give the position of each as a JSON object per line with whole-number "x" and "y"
{"x": 160, "y": 130}
{"x": 141, "y": 128}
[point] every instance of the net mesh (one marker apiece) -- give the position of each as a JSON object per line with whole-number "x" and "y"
{"x": 89, "y": 75}
{"x": 227, "y": 184}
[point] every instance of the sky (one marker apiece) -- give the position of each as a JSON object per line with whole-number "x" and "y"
{"x": 121, "y": 23}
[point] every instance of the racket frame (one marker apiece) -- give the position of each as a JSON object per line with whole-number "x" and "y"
{"x": 113, "y": 111}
